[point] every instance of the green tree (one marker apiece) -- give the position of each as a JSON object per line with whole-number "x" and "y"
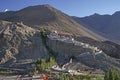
{"x": 112, "y": 74}
{"x": 52, "y": 61}
{"x": 43, "y": 64}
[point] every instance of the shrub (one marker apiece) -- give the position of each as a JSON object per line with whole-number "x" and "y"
{"x": 112, "y": 74}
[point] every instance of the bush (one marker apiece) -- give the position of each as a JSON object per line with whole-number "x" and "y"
{"x": 112, "y": 74}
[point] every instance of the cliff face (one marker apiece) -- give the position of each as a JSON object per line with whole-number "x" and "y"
{"x": 64, "y": 50}
{"x": 85, "y": 52}
{"x": 20, "y": 42}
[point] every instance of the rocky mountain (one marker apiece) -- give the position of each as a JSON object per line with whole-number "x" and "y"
{"x": 21, "y": 42}
{"x": 49, "y": 17}
{"x": 94, "y": 54}
{"x": 106, "y": 25}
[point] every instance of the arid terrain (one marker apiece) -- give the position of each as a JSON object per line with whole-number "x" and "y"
{"x": 30, "y": 35}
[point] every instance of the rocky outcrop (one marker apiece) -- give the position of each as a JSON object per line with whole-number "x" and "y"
{"x": 20, "y": 42}
{"x": 99, "y": 61}
{"x": 89, "y": 54}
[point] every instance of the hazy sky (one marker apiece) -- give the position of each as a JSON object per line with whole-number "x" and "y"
{"x": 72, "y": 7}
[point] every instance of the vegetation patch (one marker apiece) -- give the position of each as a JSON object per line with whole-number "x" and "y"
{"x": 5, "y": 72}
{"x": 64, "y": 76}
{"x": 112, "y": 74}
{"x": 44, "y": 40}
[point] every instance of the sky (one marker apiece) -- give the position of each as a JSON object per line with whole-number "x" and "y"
{"x": 78, "y": 8}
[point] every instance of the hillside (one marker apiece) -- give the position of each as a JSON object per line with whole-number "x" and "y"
{"x": 20, "y": 44}
{"x": 107, "y": 25}
{"x": 94, "y": 54}
{"x": 21, "y": 41}
{"x": 49, "y": 17}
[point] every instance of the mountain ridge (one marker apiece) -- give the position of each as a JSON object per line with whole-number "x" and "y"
{"x": 49, "y": 17}
{"x": 107, "y": 25}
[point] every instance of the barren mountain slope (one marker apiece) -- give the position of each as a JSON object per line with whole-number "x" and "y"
{"x": 49, "y": 17}
{"x": 107, "y": 25}
{"x": 20, "y": 42}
